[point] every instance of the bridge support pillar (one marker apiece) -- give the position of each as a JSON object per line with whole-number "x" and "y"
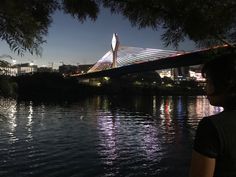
{"x": 114, "y": 61}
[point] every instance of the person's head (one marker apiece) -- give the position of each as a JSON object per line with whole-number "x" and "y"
{"x": 220, "y": 74}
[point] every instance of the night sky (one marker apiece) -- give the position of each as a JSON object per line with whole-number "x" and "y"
{"x": 72, "y": 42}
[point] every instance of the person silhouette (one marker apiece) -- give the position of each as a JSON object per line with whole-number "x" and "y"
{"x": 214, "y": 149}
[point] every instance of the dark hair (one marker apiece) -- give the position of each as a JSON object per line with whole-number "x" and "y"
{"x": 222, "y": 72}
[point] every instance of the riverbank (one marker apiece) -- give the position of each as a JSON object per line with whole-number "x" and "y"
{"x": 8, "y": 86}
{"x": 54, "y": 85}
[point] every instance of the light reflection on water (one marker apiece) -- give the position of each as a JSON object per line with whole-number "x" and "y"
{"x": 100, "y": 136}
{"x": 29, "y": 122}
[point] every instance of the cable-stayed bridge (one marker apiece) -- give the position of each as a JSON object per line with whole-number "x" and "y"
{"x": 132, "y": 55}
{"x": 135, "y": 60}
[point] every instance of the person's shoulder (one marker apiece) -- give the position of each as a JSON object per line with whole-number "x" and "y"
{"x": 205, "y": 121}
{"x": 207, "y": 139}
{"x": 211, "y": 120}
{"x": 224, "y": 115}
{"x": 217, "y": 116}
{"x": 222, "y": 119}
{"x": 206, "y": 124}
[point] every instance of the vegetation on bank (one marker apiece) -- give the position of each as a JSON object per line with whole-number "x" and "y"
{"x": 44, "y": 85}
{"x": 150, "y": 84}
{"x": 8, "y": 86}
{"x": 47, "y": 85}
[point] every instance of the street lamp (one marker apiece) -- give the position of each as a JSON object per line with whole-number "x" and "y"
{"x": 31, "y": 63}
{"x": 31, "y": 66}
{"x": 13, "y": 61}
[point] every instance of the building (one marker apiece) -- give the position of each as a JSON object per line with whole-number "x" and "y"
{"x": 165, "y": 73}
{"x": 45, "y": 69}
{"x": 84, "y": 68}
{"x": 68, "y": 69}
{"x": 73, "y": 69}
{"x": 7, "y": 69}
{"x": 196, "y": 73}
{"x": 181, "y": 73}
{"x": 25, "y": 68}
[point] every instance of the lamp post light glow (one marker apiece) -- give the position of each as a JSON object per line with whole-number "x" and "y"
{"x": 13, "y": 61}
{"x": 31, "y": 63}
{"x": 114, "y": 46}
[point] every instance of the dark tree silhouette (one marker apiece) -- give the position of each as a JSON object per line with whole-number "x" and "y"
{"x": 24, "y": 23}
{"x": 207, "y": 22}
{"x": 81, "y": 9}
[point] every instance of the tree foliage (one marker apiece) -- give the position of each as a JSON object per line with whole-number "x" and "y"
{"x": 24, "y": 23}
{"x": 207, "y": 22}
{"x": 81, "y": 9}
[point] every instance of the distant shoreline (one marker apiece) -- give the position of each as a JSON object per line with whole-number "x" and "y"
{"x": 53, "y": 85}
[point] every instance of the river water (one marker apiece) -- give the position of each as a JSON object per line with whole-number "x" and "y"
{"x": 100, "y": 136}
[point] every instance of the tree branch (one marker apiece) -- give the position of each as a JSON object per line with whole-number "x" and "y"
{"x": 223, "y": 40}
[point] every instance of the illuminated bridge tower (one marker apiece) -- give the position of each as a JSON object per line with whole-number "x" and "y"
{"x": 114, "y": 47}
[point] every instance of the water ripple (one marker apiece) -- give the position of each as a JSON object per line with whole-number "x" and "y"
{"x": 99, "y": 136}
